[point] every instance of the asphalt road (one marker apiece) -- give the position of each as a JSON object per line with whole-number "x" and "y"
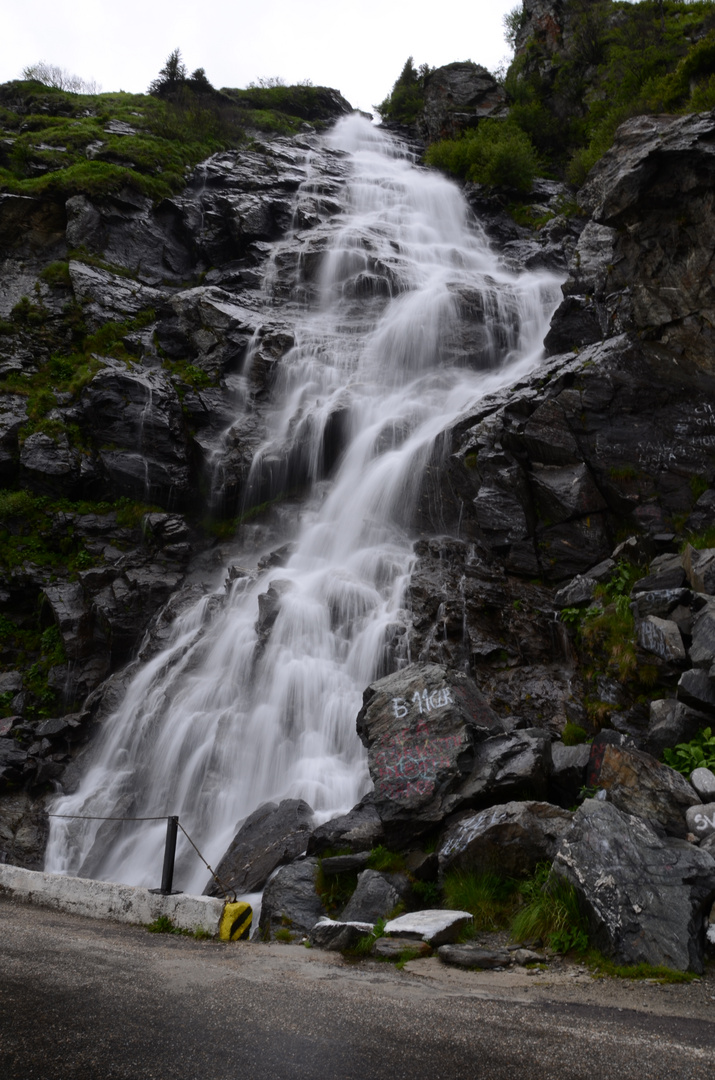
{"x": 89, "y": 1000}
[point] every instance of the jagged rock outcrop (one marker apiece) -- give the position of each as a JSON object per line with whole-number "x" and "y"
{"x": 511, "y": 839}
{"x": 272, "y": 835}
{"x": 643, "y": 262}
{"x": 647, "y": 899}
{"x": 457, "y": 97}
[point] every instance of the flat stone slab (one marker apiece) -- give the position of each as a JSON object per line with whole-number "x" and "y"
{"x": 394, "y": 948}
{"x": 335, "y": 936}
{"x": 474, "y": 956}
{"x": 436, "y": 927}
{"x": 341, "y": 864}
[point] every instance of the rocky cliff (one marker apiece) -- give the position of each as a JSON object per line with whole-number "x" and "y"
{"x": 126, "y": 325}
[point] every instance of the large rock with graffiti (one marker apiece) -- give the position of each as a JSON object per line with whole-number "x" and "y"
{"x": 422, "y": 726}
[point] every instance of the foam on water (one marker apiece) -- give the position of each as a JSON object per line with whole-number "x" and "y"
{"x": 413, "y": 321}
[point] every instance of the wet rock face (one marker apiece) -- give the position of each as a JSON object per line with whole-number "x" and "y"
{"x": 272, "y": 835}
{"x": 546, "y": 472}
{"x": 647, "y": 267}
{"x": 421, "y": 727}
{"x": 23, "y": 829}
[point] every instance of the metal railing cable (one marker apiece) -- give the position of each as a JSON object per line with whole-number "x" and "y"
{"x": 94, "y": 817}
{"x": 228, "y": 893}
{"x": 210, "y": 869}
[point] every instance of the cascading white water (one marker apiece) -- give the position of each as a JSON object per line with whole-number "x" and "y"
{"x": 415, "y": 320}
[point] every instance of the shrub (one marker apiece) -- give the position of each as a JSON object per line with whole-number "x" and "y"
{"x": 699, "y": 752}
{"x": 59, "y": 78}
{"x": 381, "y": 858}
{"x": 573, "y": 734}
{"x": 497, "y": 153}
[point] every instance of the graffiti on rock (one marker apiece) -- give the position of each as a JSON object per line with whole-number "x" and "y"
{"x": 408, "y": 764}
{"x": 422, "y": 702}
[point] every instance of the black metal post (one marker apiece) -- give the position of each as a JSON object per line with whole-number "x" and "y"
{"x": 167, "y": 874}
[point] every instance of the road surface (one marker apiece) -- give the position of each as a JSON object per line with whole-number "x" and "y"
{"x": 85, "y": 999}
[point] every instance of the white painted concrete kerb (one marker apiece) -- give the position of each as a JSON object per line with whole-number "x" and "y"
{"x": 105, "y": 900}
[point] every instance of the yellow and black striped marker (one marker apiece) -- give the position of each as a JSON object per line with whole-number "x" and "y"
{"x": 235, "y": 922}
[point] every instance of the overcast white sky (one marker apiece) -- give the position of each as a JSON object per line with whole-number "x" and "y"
{"x": 358, "y": 47}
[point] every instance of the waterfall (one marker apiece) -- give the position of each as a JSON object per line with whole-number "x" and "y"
{"x": 409, "y": 321}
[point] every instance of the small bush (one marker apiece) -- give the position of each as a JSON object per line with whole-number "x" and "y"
{"x": 163, "y": 924}
{"x": 334, "y": 889}
{"x": 386, "y": 861}
{"x": 57, "y": 275}
{"x": 497, "y": 153}
{"x": 698, "y": 753}
{"x": 551, "y": 912}
{"x": 573, "y": 734}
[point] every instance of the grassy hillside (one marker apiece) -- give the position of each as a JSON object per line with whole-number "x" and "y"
{"x": 54, "y": 142}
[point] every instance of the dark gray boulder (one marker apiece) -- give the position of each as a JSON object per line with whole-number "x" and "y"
{"x": 699, "y": 565}
{"x": 660, "y": 602}
{"x": 697, "y": 689}
{"x": 272, "y": 835}
{"x": 702, "y": 648}
{"x": 638, "y": 784}
{"x": 388, "y": 948}
{"x": 290, "y": 900}
{"x": 345, "y": 864}
{"x": 505, "y": 766}
{"x": 703, "y": 780}
{"x": 671, "y": 722}
{"x": 421, "y": 727}
{"x": 23, "y": 828}
{"x": 662, "y": 638}
{"x": 568, "y": 772}
{"x": 376, "y": 896}
{"x": 511, "y": 839}
{"x": 359, "y": 830}
{"x": 579, "y": 591}
{"x": 646, "y": 898}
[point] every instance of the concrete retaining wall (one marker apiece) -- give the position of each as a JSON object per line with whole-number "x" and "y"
{"x": 105, "y": 900}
